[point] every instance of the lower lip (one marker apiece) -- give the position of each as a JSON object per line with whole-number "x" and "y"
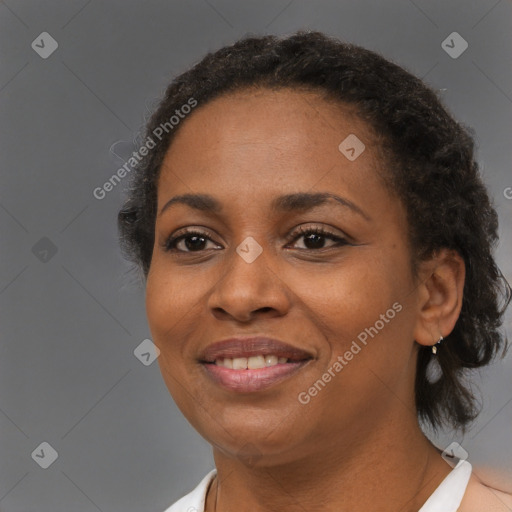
{"x": 246, "y": 381}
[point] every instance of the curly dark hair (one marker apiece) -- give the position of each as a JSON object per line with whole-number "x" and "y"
{"x": 430, "y": 166}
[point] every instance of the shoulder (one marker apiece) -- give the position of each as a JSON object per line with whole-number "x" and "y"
{"x": 479, "y": 497}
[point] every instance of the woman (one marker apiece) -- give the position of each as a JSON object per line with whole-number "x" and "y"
{"x": 316, "y": 243}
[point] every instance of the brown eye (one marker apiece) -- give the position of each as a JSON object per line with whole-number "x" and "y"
{"x": 193, "y": 241}
{"x": 314, "y": 238}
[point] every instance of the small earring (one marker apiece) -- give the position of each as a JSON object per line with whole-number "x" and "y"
{"x": 434, "y": 347}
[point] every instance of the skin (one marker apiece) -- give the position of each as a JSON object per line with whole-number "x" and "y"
{"x": 357, "y": 443}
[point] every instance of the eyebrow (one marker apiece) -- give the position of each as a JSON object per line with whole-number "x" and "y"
{"x": 300, "y": 201}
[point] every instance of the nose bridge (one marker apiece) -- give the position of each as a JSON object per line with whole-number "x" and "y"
{"x": 249, "y": 282}
{"x": 250, "y": 233}
{"x": 249, "y": 263}
{"x": 250, "y": 250}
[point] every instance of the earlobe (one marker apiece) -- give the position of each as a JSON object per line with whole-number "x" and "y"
{"x": 440, "y": 296}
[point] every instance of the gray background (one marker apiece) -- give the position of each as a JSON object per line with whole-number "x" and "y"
{"x": 70, "y": 321}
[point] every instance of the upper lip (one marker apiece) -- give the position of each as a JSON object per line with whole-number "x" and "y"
{"x": 252, "y": 346}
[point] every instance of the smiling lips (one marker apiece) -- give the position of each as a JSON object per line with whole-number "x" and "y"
{"x": 252, "y": 364}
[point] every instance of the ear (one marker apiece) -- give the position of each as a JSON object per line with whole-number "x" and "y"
{"x": 440, "y": 296}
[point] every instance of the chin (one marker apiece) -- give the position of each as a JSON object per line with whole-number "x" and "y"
{"x": 261, "y": 445}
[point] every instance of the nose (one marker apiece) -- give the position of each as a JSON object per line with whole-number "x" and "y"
{"x": 249, "y": 289}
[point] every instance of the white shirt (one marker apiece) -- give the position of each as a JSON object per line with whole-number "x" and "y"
{"x": 446, "y": 498}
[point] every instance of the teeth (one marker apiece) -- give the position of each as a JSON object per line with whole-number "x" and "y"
{"x": 240, "y": 363}
{"x": 271, "y": 360}
{"x": 251, "y": 363}
{"x": 255, "y": 362}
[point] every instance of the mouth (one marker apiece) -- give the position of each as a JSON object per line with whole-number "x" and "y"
{"x": 252, "y": 364}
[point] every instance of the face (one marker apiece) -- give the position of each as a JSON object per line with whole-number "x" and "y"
{"x": 330, "y": 277}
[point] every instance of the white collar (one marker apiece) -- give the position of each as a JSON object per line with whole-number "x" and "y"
{"x": 195, "y": 500}
{"x": 446, "y": 498}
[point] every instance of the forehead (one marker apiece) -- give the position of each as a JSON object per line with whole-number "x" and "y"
{"x": 302, "y": 119}
{"x": 269, "y": 140}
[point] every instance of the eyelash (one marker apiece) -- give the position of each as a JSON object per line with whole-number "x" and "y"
{"x": 170, "y": 243}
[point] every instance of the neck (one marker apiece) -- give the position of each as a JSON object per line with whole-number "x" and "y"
{"x": 397, "y": 472}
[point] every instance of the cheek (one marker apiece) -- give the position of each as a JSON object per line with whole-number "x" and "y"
{"x": 167, "y": 305}
{"x": 169, "y": 299}
{"x": 363, "y": 310}
{"x": 159, "y": 302}
{"x": 351, "y": 296}
{"x": 174, "y": 310}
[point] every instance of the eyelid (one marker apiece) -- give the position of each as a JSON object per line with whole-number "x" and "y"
{"x": 327, "y": 232}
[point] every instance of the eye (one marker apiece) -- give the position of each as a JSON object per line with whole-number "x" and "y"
{"x": 193, "y": 241}
{"x": 315, "y": 237}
